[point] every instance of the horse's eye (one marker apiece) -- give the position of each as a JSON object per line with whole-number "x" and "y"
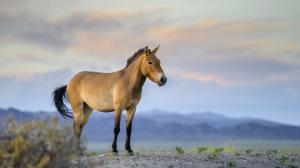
{"x": 149, "y": 62}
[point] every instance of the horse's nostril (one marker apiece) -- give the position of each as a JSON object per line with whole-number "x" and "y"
{"x": 163, "y": 80}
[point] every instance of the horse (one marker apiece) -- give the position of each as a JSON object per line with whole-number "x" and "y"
{"x": 109, "y": 92}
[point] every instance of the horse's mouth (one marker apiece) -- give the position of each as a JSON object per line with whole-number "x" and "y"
{"x": 161, "y": 84}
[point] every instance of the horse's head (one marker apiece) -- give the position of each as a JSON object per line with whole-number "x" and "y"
{"x": 151, "y": 67}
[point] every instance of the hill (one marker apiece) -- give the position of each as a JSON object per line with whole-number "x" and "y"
{"x": 158, "y": 124}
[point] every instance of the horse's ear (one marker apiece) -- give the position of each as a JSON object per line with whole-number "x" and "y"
{"x": 155, "y": 49}
{"x": 146, "y": 49}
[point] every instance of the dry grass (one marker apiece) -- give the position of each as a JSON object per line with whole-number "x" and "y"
{"x": 38, "y": 144}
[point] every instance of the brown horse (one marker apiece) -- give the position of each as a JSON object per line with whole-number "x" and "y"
{"x": 107, "y": 92}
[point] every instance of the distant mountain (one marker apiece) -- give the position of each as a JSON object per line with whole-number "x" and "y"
{"x": 158, "y": 124}
{"x": 20, "y": 115}
{"x": 208, "y": 117}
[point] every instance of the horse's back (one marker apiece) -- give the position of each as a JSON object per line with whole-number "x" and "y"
{"x": 89, "y": 77}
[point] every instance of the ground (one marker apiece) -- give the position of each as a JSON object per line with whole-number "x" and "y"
{"x": 193, "y": 159}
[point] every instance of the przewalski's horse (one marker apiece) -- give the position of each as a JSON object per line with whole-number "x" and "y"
{"x": 107, "y": 92}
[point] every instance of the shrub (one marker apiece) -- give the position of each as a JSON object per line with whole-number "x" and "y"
{"x": 215, "y": 154}
{"x": 230, "y": 163}
{"x": 292, "y": 166}
{"x": 179, "y": 150}
{"x": 212, "y": 156}
{"x": 248, "y": 151}
{"x": 202, "y": 149}
{"x": 271, "y": 152}
{"x": 170, "y": 166}
{"x": 137, "y": 154}
{"x": 218, "y": 150}
{"x": 237, "y": 154}
{"x": 92, "y": 154}
{"x": 258, "y": 154}
{"x": 283, "y": 159}
{"x": 39, "y": 144}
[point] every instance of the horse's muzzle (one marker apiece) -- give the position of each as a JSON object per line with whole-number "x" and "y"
{"x": 162, "y": 80}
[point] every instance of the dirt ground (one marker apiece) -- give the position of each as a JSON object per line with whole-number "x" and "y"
{"x": 171, "y": 159}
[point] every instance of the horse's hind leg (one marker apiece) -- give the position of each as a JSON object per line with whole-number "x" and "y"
{"x": 77, "y": 109}
{"x": 81, "y": 113}
{"x": 86, "y": 114}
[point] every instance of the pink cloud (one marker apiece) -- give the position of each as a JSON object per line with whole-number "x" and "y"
{"x": 215, "y": 34}
{"x": 204, "y": 78}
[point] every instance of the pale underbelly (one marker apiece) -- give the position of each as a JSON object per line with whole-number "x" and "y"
{"x": 105, "y": 103}
{"x": 103, "y": 106}
{"x": 105, "y": 110}
{"x": 100, "y": 104}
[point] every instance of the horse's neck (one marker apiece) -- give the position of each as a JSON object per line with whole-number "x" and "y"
{"x": 136, "y": 77}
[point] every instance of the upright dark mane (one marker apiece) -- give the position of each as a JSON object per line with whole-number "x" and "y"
{"x": 136, "y": 55}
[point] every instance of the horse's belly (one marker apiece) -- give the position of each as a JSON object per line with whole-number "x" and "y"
{"x": 105, "y": 110}
{"x": 103, "y": 104}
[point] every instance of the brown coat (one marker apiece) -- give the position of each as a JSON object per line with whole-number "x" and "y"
{"x": 116, "y": 91}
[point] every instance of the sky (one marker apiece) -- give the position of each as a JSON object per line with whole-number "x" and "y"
{"x": 234, "y": 57}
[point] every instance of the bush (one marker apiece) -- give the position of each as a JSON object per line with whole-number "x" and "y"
{"x": 237, "y": 154}
{"x": 179, "y": 150}
{"x": 248, "y": 151}
{"x": 230, "y": 163}
{"x": 215, "y": 154}
{"x": 38, "y": 144}
{"x": 219, "y": 150}
{"x": 202, "y": 149}
{"x": 283, "y": 159}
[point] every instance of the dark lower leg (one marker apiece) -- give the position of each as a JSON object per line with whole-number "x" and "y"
{"x": 128, "y": 132}
{"x": 116, "y": 132}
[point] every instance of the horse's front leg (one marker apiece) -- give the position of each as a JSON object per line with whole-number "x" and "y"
{"x": 117, "y": 116}
{"x": 129, "y": 117}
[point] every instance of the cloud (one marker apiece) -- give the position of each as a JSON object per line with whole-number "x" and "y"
{"x": 231, "y": 52}
{"x": 221, "y": 36}
{"x": 243, "y": 71}
{"x": 127, "y": 33}
{"x": 33, "y": 93}
{"x": 237, "y": 51}
{"x": 203, "y": 78}
{"x": 59, "y": 33}
{"x": 24, "y": 28}
{"x": 209, "y": 50}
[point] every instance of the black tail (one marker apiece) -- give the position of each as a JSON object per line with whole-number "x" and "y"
{"x": 59, "y": 98}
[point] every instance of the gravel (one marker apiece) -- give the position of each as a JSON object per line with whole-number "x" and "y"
{"x": 170, "y": 159}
